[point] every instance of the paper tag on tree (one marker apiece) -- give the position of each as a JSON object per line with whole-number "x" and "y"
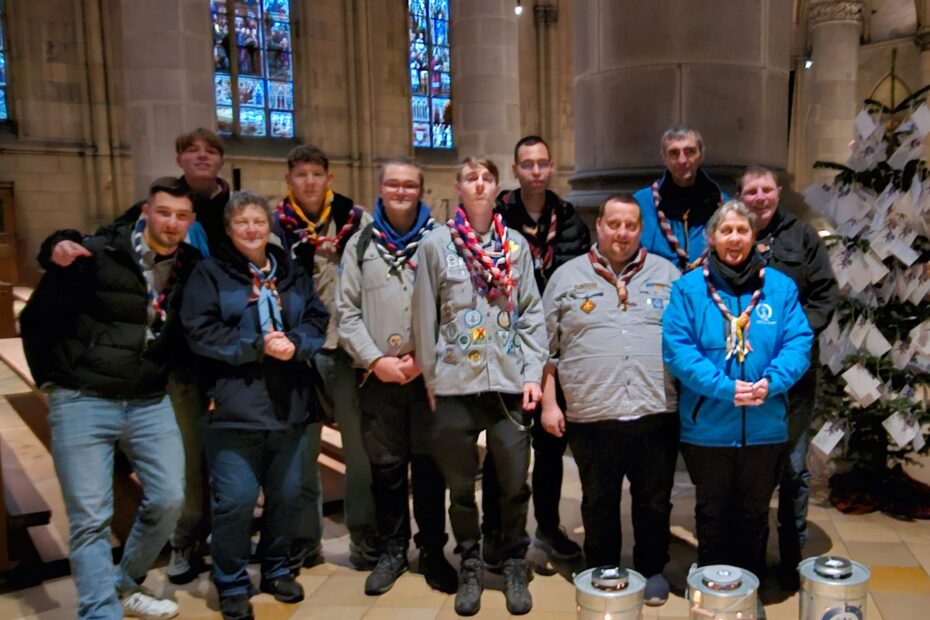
{"x": 861, "y": 385}
{"x": 828, "y": 437}
{"x": 902, "y": 430}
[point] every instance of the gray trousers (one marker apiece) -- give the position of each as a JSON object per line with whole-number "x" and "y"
{"x": 194, "y": 523}
{"x": 457, "y": 422}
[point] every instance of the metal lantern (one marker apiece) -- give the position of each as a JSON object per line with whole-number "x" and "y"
{"x": 833, "y": 588}
{"x": 722, "y": 592}
{"x": 609, "y": 593}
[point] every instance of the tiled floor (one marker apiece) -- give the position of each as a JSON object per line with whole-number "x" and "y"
{"x": 897, "y": 552}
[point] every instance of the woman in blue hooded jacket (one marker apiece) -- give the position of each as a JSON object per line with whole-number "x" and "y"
{"x": 736, "y": 337}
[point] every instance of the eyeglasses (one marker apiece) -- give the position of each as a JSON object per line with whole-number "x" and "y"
{"x": 528, "y": 165}
{"x": 397, "y": 186}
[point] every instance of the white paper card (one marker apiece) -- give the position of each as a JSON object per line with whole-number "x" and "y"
{"x": 875, "y": 342}
{"x": 901, "y": 430}
{"x": 828, "y": 437}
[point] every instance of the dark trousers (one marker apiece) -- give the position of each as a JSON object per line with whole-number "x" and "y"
{"x": 241, "y": 462}
{"x": 644, "y": 451}
{"x": 734, "y": 487}
{"x": 395, "y": 425}
{"x": 458, "y": 421}
{"x": 548, "y": 451}
{"x": 794, "y": 486}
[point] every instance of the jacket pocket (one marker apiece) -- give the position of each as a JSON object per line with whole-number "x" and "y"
{"x": 697, "y": 406}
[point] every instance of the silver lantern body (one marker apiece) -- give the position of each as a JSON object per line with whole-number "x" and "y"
{"x": 722, "y": 592}
{"x": 833, "y": 588}
{"x": 609, "y": 593}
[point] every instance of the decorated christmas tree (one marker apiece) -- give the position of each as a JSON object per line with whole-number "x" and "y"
{"x": 876, "y": 350}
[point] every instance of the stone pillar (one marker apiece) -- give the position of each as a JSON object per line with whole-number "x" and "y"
{"x": 835, "y": 26}
{"x": 641, "y": 67}
{"x": 486, "y": 102}
{"x": 168, "y": 65}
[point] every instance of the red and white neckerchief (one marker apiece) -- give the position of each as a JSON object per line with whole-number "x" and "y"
{"x": 490, "y": 271}
{"x": 157, "y": 315}
{"x": 599, "y": 263}
{"x": 292, "y": 216}
{"x": 737, "y": 327}
{"x": 543, "y": 251}
{"x": 673, "y": 241}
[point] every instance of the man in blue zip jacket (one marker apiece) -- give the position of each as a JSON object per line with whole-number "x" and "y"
{"x": 676, "y": 207}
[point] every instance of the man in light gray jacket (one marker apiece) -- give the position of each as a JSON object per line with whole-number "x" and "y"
{"x": 373, "y": 310}
{"x": 604, "y": 318}
{"x": 480, "y": 341}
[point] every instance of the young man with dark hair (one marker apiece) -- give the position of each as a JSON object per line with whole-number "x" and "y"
{"x": 99, "y": 336}
{"x": 555, "y": 234}
{"x": 199, "y": 154}
{"x": 314, "y": 224}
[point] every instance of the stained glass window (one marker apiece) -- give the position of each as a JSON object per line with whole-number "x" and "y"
{"x": 430, "y": 73}
{"x": 4, "y": 113}
{"x": 253, "y": 72}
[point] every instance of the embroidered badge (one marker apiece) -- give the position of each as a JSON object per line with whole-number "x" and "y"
{"x": 449, "y": 332}
{"x": 473, "y": 318}
{"x": 474, "y": 357}
{"x": 656, "y": 302}
{"x": 478, "y": 335}
{"x": 394, "y": 340}
{"x": 503, "y": 319}
{"x": 587, "y": 306}
{"x": 449, "y": 356}
{"x": 463, "y": 341}
{"x": 764, "y": 313}
{"x": 514, "y": 248}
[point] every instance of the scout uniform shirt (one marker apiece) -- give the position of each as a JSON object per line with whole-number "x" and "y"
{"x": 466, "y": 344}
{"x": 609, "y": 359}
{"x": 373, "y": 306}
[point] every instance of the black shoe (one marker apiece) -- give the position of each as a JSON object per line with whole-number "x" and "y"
{"x": 471, "y": 583}
{"x": 363, "y": 555}
{"x": 284, "y": 589}
{"x": 557, "y": 545}
{"x": 438, "y": 572}
{"x": 788, "y": 578}
{"x": 236, "y": 607}
{"x": 184, "y": 565}
{"x": 516, "y": 587}
{"x": 391, "y": 565}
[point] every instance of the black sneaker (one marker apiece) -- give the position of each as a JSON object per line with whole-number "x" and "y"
{"x": 284, "y": 589}
{"x": 557, "y": 545}
{"x": 184, "y": 565}
{"x": 236, "y": 607}
{"x": 516, "y": 587}
{"x": 471, "y": 583}
{"x": 391, "y": 565}
{"x": 437, "y": 571}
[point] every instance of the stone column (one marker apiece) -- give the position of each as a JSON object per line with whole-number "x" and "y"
{"x": 641, "y": 67}
{"x": 835, "y": 26}
{"x": 486, "y": 102}
{"x": 168, "y": 65}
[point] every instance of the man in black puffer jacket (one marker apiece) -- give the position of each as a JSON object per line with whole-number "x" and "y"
{"x": 98, "y": 336}
{"x": 556, "y": 234}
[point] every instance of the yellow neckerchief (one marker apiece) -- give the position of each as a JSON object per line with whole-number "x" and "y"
{"x": 324, "y": 216}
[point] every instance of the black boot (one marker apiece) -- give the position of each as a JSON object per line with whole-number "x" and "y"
{"x": 285, "y": 589}
{"x": 437, "y": 571}
{"x": 471, "y": 584}
{"x": 392, "y": 563}
{"x": 516, "y": 587}
{"x": 236, "y": 607}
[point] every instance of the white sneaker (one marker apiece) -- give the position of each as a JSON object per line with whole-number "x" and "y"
{"x": 143, "y": 604}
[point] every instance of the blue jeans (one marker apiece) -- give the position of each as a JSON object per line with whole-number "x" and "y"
{"x": 84, "y": 432}
{"x": 241, "y": 462}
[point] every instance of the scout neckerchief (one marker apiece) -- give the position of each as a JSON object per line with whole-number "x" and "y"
{"x": 490, "y": 270}
{"x": 602, "y": 268}
{"x": 265, "y": 292}
{"x": 293, "y": 219}
{"x": 157, "y": 316}
{"x": 397, "y": 249}
{"x": 673, "y": 242}
{"x": 737, "y": 327}
{"x": 542, "y": 250}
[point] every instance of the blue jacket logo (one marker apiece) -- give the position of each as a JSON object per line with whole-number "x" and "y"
{"x": 764, "y": 314}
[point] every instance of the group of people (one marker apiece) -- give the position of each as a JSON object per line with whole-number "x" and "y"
{"x": 210, "y": 334}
